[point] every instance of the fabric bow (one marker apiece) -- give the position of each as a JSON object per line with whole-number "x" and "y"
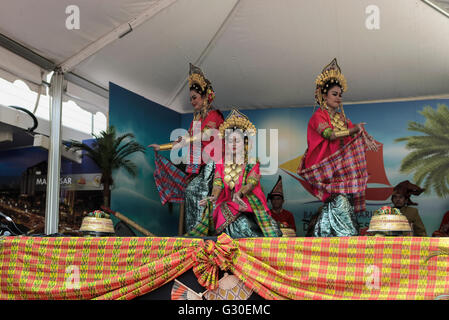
{"x": 209, "y": 256}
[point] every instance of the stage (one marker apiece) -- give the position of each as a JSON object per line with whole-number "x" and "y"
{"x": 366, "y": 268}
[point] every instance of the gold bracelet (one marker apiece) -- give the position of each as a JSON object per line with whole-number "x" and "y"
{"x": 167, "y": 146}
{"x": 218, "y": 182}
{"x": 189, "y": 139}
{"x": 342, "y": 133}
{"x": 247, "y": 188}
{"x": 216, "y": 190}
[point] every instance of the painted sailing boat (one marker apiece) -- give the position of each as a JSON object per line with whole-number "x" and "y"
{"x": 376, "y": 172}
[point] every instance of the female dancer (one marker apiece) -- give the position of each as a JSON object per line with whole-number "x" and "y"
{"x": 237, "y": 206}
{"x": 334, "y": 164}
{"x": 196, "y": 183}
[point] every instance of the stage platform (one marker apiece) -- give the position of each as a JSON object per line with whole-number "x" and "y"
{"x": 401, "y": 268}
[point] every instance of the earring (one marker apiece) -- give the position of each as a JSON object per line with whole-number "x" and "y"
{"x": 325, "y": 105}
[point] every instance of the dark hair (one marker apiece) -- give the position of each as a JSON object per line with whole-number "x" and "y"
{"x": 329, "y": 85}
{"x": 197, "y": 88}
{"x": 271, "y": 196}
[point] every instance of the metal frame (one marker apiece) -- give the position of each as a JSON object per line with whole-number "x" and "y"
{"x": 115, "y": 34}
{"x": 48, "y": 65}
{"x": 436, "y": 7}
{"x": 87, "y": 84}
{"x": 26, "y": 53}
{"x": 54, "y": 154}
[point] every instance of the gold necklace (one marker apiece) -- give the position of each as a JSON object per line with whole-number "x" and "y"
{"x": 232, "y": 174}
{"x": 337, "y": 122}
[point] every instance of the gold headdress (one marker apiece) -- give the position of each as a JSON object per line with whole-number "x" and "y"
{"x": 197, "y": 77}
{"x": 237, "y": 120}
{"x": 331, "y": 74}
{"x": 200, "y": 83}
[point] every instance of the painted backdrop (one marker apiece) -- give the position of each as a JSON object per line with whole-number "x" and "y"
{"x": 151, "y": 122}
{"x": 137, "y": 198}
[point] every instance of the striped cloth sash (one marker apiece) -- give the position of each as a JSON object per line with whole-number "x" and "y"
{"x": 345, "y": 172}
{"x": 171, "y": 182}
{"x": 263, "y": 218}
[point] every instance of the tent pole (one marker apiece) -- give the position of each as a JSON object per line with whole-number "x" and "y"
{"x": 436, "y": 7}
{"x": 54, "y": 155}
{"x": 115, "y": 34}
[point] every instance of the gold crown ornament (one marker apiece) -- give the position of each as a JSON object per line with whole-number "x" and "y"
{"x": 198, "y": 81}
{"x": 196, "y": 76}
{"x": 237, "y": 120}
{"x": 331, "y": 74}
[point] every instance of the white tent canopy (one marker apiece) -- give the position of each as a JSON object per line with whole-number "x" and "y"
{"x": 257, "y": 53}
{"x": 13, "y": 67}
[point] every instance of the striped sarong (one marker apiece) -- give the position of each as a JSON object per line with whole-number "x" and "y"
{"x": 170, "y": 181}
{"x": 344, "y": 172}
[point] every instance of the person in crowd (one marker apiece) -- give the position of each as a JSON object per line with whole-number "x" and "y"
{"x": 285, "y": 218}
{"x": 401, "y": 200}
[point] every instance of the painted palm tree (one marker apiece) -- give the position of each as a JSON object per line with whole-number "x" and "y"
{"x": 110, "y": 153}
{"x": 429, "y": 158}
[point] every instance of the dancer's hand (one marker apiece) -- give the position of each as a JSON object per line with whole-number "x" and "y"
{"x": 360, "y": 126}
{"x": 203, "y": 202}
{"x": 237, "y": 199}
{"x": 156, "y": 147}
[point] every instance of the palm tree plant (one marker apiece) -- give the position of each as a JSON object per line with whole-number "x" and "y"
{"x": 110, "y": 153}
{"x": 429, "y": 158}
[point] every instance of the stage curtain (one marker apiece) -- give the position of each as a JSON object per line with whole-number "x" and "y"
{"x": 408, "y": 268}
{"x": 107, "y": 268}
{"x": 275, "y": 268}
